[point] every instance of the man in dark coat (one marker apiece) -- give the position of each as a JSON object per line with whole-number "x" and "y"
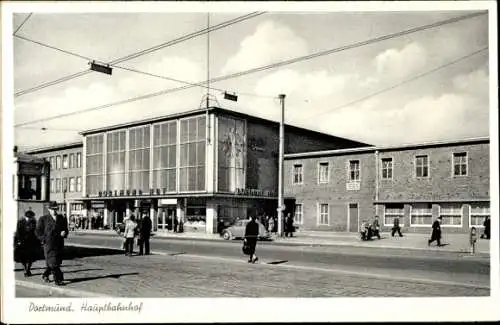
{"x": 396, "y": 227}
{"x": 51, "y": 231}
{"x": 376, "y": 227}
{"x": 251, "y": 236}
{"x": 145, "y": 234}
{"x": 27, "y": 244}
{"x": 487, "y": 227}
{"x": 436, "y": 232}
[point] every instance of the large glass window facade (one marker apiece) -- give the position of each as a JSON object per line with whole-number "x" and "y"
{"x": 115, "y": 161}
{"x": 95, "y": 164}
{"x": 165, "y": 156}
{"x": 231, "y": 154}
{"x": 139, "y": 146}
{"x": 192, "y": 154}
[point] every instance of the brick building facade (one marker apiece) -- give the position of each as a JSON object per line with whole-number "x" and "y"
{"x": 338, "y": 189}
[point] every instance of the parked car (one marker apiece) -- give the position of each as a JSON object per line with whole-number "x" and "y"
{"x": 237, "y": 230}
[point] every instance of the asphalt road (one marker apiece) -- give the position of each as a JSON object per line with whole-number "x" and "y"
{"x": 363, "y": 261}
{"x": 26, "y": 292}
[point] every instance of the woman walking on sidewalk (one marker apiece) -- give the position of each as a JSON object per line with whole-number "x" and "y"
{"x": 129, "y": 235}
{"x": 251, "y": 235}
{"x": 436, "y": 232}
{"x": 27, "y": 244}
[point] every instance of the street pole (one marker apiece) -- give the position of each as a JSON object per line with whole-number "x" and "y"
{"x": 280, "y": 166}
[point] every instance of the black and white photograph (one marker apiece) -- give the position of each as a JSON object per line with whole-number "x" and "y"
{"x": 156, "y": 156}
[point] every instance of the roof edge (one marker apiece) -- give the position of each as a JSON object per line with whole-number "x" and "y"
{"x": 53, "y": 147}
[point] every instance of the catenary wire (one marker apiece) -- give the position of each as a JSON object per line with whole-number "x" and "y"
{"x": 142, "y": 52}
{"x": 401, "y": 83}
{"x": 24, "y": 22}
{"x": 54, "y": 48}
{"x": 262, "y": 68}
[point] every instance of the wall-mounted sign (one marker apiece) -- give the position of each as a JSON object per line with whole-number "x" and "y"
{"x": 254, "y": 192}
{"x": 353, "y": 186}
{"x": 133, "y": 192}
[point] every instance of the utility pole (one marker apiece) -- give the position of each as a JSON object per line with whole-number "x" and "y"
{"x": 281, "y": 205}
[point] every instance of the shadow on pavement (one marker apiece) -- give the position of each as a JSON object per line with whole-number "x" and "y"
{"x": 90, "y": 278}
{"x": 72, "y": 271}
{"x": 43, "y": 268}
{"x": 277, "y": 262}
{"x": 71, "y": 252}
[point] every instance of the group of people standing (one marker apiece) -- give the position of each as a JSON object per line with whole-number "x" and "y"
{"x": 271, "y": 224}
{"x": 141, "y": 230}
{"x": 49, "y": 231}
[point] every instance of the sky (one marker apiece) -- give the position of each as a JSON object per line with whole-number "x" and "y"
{"x": 397, "y": 91}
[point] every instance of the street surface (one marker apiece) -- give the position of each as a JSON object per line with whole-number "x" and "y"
{"x": 197, "y": 268}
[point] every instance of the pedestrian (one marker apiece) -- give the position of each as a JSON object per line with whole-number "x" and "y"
{"x": 289, "y": 225}
{"x": 436, "y": 232}
{"x": 487, "y": 226}
{"x": 396, "y": 227}
{"x": 27, "y": 243}
{"x": 270, "y": 226}
{"x": 376, "y": 227}
{"x": 129, "y": 235}
{"x": 51, "y": 230}
{"x": 145, "y": 234}
{"x": 251, "y": 235}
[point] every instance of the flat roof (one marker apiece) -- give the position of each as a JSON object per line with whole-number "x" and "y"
{"x": 204, "y": 110}
{"x": 388, "y": 148}
{"x": 53, "y": 148}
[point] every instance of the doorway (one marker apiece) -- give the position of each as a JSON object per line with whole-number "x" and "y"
{"x": 353, "y": 217}
{"x": 165, "y": 217}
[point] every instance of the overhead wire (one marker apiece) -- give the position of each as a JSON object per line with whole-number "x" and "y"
{"x": 143, "y": 52}
{"x": 54, "y": 48}
{"x": 402, "y": 82}
{"x": 22, "y": 24}
{"x": 263, "y": 68}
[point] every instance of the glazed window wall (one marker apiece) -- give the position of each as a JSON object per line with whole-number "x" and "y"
{"x": 95, "y": 163}
{"x": 139, "y": 146}
{"x": 165, "y": 156}
{"x": 192, "y": 154}
{"x": 231, "y": 154}
{"x": 115, "y": 161}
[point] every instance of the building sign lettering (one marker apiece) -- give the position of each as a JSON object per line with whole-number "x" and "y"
{"x": 254, "y": 192}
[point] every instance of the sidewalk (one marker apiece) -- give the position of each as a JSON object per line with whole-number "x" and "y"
{"x": 453, "y": 242}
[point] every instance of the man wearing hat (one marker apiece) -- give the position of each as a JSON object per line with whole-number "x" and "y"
{"x": 51, "y": 231}
{"x": 436, "y": 232}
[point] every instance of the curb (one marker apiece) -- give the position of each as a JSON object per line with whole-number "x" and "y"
{"x": 281, "y": 242}
{"x": 66, "y": 291}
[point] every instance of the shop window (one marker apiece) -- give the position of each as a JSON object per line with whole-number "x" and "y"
{"x": 421, "y": 214}
{"x": 451, "y": 214}
{"x": 393, "y": 211}
{"x": 478, "y": 213}
{"x": 298, "y": 218}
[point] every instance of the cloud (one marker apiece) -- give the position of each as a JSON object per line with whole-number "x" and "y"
{"x": 475, "y": 83}
{"x": 270, "y": 43}
{"x": 395, "y": 63}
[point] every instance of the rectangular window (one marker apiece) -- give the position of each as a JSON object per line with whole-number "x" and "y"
{"x": 232, "y": 154}
{"x": 393, "y": 211}
{"x": 58, "y": 162}
{"x": 192, "y": 154}
{"x": 422, "y": 166}
{"x": 298, "y": 218}
{"x": 139, "y": 146}
{"x": 478, "y": 213}
{"x": 78, "y": 160}
{"x": 95, "y": 161}
{"x": 115, "y": 163}
{"x": 71, "y": 160}
{"x": 421, "y": 214}
{"x": 165, "y": 156}
{"x": 451, "y": 214}
{"x": 323, "y": 215}
{"x": 72, "y": 184}
{"x": 354, "y": 171}
{"x": 78, "y": 184}
{"x": 58, "y": 185}
{"x": 460, "y": 164}
{"x": 64, "y": 184}
{"x": 387, "y": 168}
{"x": 297, "y": 174}
{"x": 52, "y": 161}
{"x": 323, "y": 172}
{"x": 52, "y": 185}
{"x": 65, "y": 162}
